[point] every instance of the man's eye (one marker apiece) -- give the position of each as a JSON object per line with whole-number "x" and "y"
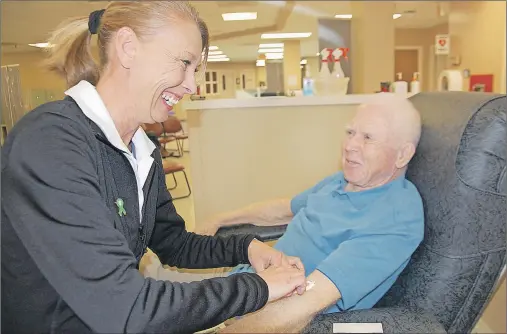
{"x": 186, "y": 63}
{"x": 367, "y": 137}
{"x": 349, "y": 132}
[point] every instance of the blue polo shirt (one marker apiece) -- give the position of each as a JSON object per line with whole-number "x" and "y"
{"x": 360, "y": 240}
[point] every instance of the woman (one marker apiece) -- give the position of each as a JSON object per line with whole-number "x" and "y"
{"x": 85, "y": 195}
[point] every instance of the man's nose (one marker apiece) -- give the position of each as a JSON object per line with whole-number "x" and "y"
{"x": 352, "y": 143}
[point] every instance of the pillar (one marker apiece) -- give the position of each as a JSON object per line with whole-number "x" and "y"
{"x": 291, "y": 65}
{"x": 372, "y": 45}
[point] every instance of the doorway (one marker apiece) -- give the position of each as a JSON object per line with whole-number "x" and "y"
{"x": 408, "y": 60}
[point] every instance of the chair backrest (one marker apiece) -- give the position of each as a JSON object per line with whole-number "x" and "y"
{"x": 460, "y": 171}
{"x": 172, "y": 125}
{"x": 156, "y": 129}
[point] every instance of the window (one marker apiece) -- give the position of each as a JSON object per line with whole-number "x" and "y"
{"x": 211, "y": 83}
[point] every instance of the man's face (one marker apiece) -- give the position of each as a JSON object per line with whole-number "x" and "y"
{"x": 369, "y": 151}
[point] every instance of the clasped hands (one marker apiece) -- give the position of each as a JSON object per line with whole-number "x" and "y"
{"x": 284, "y": 275}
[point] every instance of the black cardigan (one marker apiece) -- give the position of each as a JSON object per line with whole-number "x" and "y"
{"x": 69, "y": 260}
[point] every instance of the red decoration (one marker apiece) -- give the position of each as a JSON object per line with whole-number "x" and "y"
{"x": 481, "y": 83}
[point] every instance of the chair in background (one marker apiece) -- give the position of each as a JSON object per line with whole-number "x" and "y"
{"x": 155, "y": 131}
{"x": 460, "y": 170}
{"x": 171, "y": 168}
{"x": 173, "y": 131}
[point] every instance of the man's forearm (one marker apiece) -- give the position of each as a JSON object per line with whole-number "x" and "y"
{"x": 275, "y": 212}
{"x": 292, "y": 314}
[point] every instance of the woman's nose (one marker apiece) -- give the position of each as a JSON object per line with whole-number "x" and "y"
{"x": 190, "y": 84}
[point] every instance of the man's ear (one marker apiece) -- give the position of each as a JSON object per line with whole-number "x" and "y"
{"x": 126, "y": 44}
{"x": 405, "y": 153}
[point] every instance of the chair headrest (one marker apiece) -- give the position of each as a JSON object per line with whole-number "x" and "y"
{"x": 460, "y": 170}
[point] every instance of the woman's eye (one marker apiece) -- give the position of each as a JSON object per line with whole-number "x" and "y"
{"x": 367, "y": 137}
{"x": 186, "y": 63}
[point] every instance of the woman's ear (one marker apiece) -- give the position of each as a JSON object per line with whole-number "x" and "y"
{"x": 405, "y": 154}
{"x": 126, "y": 44}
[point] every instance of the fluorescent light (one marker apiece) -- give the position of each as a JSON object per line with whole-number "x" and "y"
{"x": 260, "y": 62}
{"x": 303, "y": 62}
{"x": 271, "y": 45}
{"x": 214, "y": 53}
{"x": 41, "y": 45}
{"x": 349, "y": 16}
{"x": 218, "y": 59}
{"x": 239, "y": 16}
{"x": 274, "y": 55}
{"x": 212, "y": 47}
{"x": 217, "y": 56}
{"x": 271, "y": 50}
{"x": 287, "y": 35}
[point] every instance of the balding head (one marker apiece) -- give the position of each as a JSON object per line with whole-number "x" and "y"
{"x": 381, "y": 140}
{"x": 404, "y": 119}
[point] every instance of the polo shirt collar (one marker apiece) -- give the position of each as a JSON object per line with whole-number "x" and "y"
{"x": 90, "y": 102}
{"x": 363, "y": 197}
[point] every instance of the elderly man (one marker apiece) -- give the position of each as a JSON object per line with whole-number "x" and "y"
{"x": 354, "y": 231}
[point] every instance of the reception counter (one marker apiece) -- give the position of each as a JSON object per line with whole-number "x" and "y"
{"x": 248, "y": 150}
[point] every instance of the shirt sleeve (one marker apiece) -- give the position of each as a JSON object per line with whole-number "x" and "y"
{"x": 179, "y": 248}
{"x": 359, "y": 265}
{"x": 299, "y": 201}
{"x": 57, "y": 211}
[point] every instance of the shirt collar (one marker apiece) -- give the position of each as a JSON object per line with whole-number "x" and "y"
{"x": 90, "y": 102}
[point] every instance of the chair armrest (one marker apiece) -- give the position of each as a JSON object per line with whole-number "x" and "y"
{"x": 394, "y": 320}
{"x": 262, "y": 233}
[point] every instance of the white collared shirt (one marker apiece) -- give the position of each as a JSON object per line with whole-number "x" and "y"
{"x": 90, "y": 102}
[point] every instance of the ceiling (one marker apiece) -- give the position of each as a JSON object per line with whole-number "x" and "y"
{"x": 239, "y": 40}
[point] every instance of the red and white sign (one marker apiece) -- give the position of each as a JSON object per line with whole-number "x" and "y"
{"x": 442, "y": 44}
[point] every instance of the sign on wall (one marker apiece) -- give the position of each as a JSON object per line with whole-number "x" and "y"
{"x": 442, "y": 44}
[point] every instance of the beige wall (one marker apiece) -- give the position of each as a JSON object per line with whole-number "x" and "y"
{"x": 423, "y": 38}
{"x": 477, "y": 31}
{"x": 495, "y": 313}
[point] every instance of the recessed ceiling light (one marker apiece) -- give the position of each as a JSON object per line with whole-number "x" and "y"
{"x": 217, "y": 56}
{"x": 349, "y": 16}
{"x": 239, "y": 16}
{"x": 40, "y": 45}
{"x": 274, "y": 55}
{"x": 212, "y": 47}
{"x": 260, "y": 62}
{"x": 343, "y": 16}
{"x": 213, "y": 53}
{"x": 270, "y": 50}
{"x": 218, "y": 59}
{"x": 271, "y": 45}
{"x": 287, "y": 35}
{"x": 303, "y": 62}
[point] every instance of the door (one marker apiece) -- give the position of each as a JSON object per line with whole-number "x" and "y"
{"x": 247, "y": 79}
{"x": 406, "y": 62}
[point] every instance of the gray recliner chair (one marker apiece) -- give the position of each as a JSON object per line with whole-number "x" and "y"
{"x": 460, "y": 171}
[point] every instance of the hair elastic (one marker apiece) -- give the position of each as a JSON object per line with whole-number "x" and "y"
{"x": 94, "y": 21}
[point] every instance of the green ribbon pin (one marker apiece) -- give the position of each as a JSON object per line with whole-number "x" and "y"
{"x": 121, "y": 210}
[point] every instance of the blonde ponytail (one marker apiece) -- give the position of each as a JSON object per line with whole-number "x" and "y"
{"x": 70, "y": 54}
